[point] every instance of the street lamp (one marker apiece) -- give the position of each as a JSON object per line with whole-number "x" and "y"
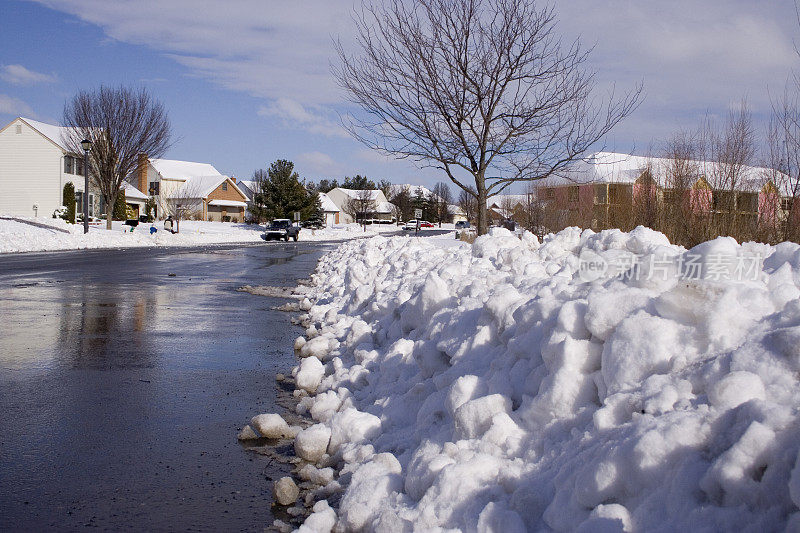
{"x": 86, "y": 144}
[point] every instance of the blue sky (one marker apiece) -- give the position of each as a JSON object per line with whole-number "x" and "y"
{"x": 247, "y": 81}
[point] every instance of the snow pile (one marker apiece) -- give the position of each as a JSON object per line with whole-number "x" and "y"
{"x": 28, "y": 235}
{"x": 505, "y": 386}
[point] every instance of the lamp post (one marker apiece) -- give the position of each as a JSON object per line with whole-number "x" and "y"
{"x": 86, "y": 144}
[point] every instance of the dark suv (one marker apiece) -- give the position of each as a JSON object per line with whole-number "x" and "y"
{"x": 281, "y": 228}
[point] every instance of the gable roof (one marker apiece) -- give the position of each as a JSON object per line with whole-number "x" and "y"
{"x": 133, "y": 192}
{"x": 202, "y": 186}
{"x": 55, "y": 134}
{"x": 248, "y": 187}
{"x": 183, "y": 170}
{"x": 375, "y": 195}
{"x": 327, "y": 204}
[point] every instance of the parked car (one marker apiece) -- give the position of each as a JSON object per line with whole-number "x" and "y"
{"x": 463, "y": 227}
{"x": 281, "y": 228}
{"x": 410, "y": 225}
{"x": 425, "y": 224}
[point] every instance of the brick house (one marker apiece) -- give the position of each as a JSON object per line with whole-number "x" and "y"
{"x": 605, "y": 189}
{"x": 197, "y": 190}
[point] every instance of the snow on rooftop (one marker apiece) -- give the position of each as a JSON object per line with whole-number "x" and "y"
{"x": 327, "y": 204}
{"x": 183, "y": 170}
{"x": 54, "y": 133}
{"x": 133, "y": 192}
{"x": 612, "y": 167}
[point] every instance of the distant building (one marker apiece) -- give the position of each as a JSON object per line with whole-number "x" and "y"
{"x": 602, "y": 192}
{"x": 331, "y": 214}
{"x": 382, "y": 210}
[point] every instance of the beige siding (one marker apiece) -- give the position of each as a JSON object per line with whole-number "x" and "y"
{"x": 31, "y": 172}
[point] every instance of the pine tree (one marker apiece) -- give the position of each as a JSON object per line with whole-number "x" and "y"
{"x": 69, "y": 202}
{"x": 282, "y": 193}
{"x": 120, "y": 207}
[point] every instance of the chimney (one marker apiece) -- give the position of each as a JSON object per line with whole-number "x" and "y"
{"x": 141, "y": 172}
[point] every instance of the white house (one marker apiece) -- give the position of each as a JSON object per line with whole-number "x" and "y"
{"x": 198, "y": 189}
{"x": 382, "y": 210}
{"x": 35, "y": 164}
{"x": 331, "y": 213}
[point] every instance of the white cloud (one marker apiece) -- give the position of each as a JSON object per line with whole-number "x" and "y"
{"x": 15, "y": 106}
{"x": 19, "y": 75}
{"x": 292, "y": 114}
{"x": 317, "y": 164}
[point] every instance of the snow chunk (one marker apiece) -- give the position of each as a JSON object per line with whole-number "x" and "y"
{"x": 310, "y": 374}
{"x": 247, "y": 433}
{"x": 321, "y": 520}
{"x": 372, "y": 485}
{"x": 735, "y": 389}
{"x": 286, "y": 491}
{"x": 474, "y": 418}
{"x": 272, "y": 426}
{"x": 312, "y": 442}
{"x": 352, "y": 426}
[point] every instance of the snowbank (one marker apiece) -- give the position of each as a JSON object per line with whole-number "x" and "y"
{"x": 512, "y": 385}
{"x": 21, "y": 237}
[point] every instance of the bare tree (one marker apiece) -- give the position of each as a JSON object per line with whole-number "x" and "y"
{"x": 783, "y": 161}
{"x": 685, "y": 207}
{"x": 443, "y": 198}
{"x": 730, "y": 151}
{"x": 468, "y": 202}
{"x": 121, "y": 123}
{"x": 532, "y": 210}
{"x": 360, "y": 206}
{"x": 184, "y": 202}
{"x": 472, "y": 86}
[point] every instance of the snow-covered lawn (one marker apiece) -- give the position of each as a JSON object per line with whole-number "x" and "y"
{"x": 20, "y": 237}
{"x": 513, "y": 385}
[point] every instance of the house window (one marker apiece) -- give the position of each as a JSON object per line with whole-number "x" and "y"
{"x": 78, "y": 202}
{"x": 600, "y": 194}
{"x": 91, "y": 205}
{"x": 154, "y": 188}
{"x": 572, "y": 194}
{"x": 18, "y": 129}
{"x": 78, "y": 166}
{"x": 224, "y": 185}
{"x": 551, "y": 193}
{"x": 787, "y": 203}
{"x": 69, "y": 165}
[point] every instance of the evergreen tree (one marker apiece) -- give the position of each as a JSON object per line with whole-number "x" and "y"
{"x": 358, "y": 183}
{"x": 326, "y": 185}
{"x": 69, "y": 202}
{"x": 120, "y": 207}
{"x": 282, "y": 193}
{"x": 150, "y": 208}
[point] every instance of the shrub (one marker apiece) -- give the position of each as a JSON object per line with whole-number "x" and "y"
{"x": 69, "y": 202}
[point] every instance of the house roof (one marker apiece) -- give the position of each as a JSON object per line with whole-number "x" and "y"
{"x": 183, "y": 170}
{"x": 327, "y": 204}
{"x": 411, "y": 189}
{"x": 56, "y": 134}
{"x": 202, "y": 186}
{"x": 248, "y": 187}
{"x": 611, "y": 167}
{"x": 133, "y": 192}
{"x": 375, "y": 194}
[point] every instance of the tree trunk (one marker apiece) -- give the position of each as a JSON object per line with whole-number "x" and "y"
{"x": 483, "y": 215}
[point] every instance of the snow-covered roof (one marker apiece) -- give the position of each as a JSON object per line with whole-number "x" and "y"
{"x": 227, "y": 203}
{"x": 611, "y": 167}
{"x": 132, "y": 192}
{"x": 384, "y": 207}
{"x": 183, "y": 170}
{"x": 500, "y": 200}
{"x": 411, "y": 189}
{"x": 327, "y": 204}
{"x": 202, "y": 186}
{"x": 248, "y": 187}
{"x": 56, "y": 134}
{"x": 375, "y": 195}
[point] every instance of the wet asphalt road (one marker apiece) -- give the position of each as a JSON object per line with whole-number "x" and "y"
{"x": 122, "y": 387}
